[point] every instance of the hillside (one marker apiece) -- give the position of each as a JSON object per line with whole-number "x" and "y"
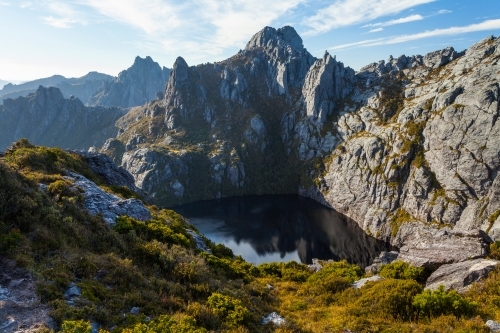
{"x": 88, "y": 268}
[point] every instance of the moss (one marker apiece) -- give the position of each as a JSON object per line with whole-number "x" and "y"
{"x": 492, "y": 218}
{"x": 400, "y": 216}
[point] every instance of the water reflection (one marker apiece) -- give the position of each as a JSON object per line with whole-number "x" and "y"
{"x": 281, "y": 228}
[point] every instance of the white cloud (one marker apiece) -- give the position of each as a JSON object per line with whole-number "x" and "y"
{"x": 3, "y": 3}
{"x": 411, "y": 18}
{"x": 197, "y": 27}
{"x": 349, "y": 12}
{"x": 444, "y": 11}
{"x": 64, "y": 15}
{"x": 376, "y": 30}
{"x": 26, "y": 4}
{"x": 486, "y": 25}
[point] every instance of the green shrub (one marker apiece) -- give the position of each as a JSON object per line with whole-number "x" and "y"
{"x": 339, "y": 269}
{"x": 440, "y": 302}
{"x": 76, "y": 326}
{"x": 388, "y": 297}
{"x": 228, "y": 308}
{"x": 401, "y": 270}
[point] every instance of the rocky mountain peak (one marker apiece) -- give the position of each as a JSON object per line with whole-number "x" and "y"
{"x": 134, "y": 86}
{"x": 270, "y": 37}
{"x": 179, "y": 74}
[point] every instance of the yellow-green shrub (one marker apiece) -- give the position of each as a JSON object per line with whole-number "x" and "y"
{"x": 401, "y": 270}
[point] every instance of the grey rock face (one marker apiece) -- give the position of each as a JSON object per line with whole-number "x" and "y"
{"x": 460, "y": 275}
{"x": 439, "y": 58}
{"x": 326, "y": 82}
{"x": 134, "y": 86}
{"x": 287, "y": 60}
{"x": 424, "y": 246}
{"x": 47, "y": 118}
{"x": 103, "y": 166}
{"x": 97, "y": 201}
{"x": 436, "y": 159}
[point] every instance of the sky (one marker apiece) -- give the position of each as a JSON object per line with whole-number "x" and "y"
{"x": 40, "y": 38}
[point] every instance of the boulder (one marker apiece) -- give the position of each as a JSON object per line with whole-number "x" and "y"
{"x": 383, "y": 259}
{"x": 424, "y": 246}
{"x": 460, "y": 275}
{"x": 110, "y": 206}
{"x": 274, "y": 318}
{"x": 493, "y": 325}
{"x": 360, "y": 283}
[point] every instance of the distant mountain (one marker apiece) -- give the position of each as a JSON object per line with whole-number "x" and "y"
{"x": 135, "y": 86}
{"x": 47, "y": 118}
{"x": 81, "y": 87}
{"x": 3, "y": 83}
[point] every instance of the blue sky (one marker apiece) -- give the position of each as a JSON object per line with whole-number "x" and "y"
{"x": 40, "y": 38}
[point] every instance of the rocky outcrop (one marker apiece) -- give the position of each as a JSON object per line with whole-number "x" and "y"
{"x": 460, "y": 276}
{"x": 134, "y": 86}
{"x": 104, "y": 167}
{"x": 110, "y": 206}
{"x": 360, "y": 283}
{"x": 47, "y": 118}
{"x": 81, "y": 88}
{"x": 326, "y": 84}
{"x": 424, "y": 246}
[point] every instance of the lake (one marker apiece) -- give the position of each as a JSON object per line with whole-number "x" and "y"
{"x": 267, "y": 228}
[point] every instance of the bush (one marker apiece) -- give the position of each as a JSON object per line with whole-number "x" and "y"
{"x": 401, "y": 270}
{"x": 440, "y": 302}
{"x": 388, "y": 297}
{"x": 339, "y": 269}
{"x": 228, "y": 308}
{"x": 77, "y": 326}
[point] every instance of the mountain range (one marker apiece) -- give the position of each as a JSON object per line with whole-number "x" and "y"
{"x": 133, "y": 87}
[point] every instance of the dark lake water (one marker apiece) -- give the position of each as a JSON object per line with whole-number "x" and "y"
{"x": 269, "y": 228}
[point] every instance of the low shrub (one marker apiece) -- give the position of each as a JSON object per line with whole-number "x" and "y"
{"x": 401, "y": 270}
{"x": 439, "y": 302}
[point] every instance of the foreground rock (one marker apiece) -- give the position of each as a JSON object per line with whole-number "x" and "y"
{"x": 459, "y": 276}
{"x": 360, "y": 283}
{"x": 110, "y": 206}
{"x": 493, "y": 325}
{"x": 274, "y": 318}
{"x": 20, "y": 307}
{"x": 383, "y": 259}
{"x": 112, "y": 174}
{"x": 424, "y": 246}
